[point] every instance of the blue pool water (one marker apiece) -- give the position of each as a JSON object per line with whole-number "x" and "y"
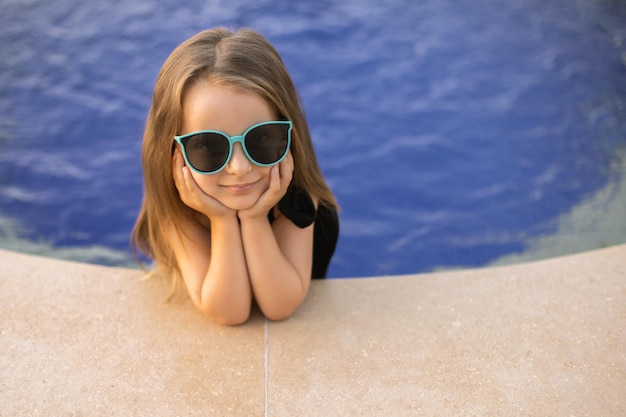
{"x": 453, "y": 132}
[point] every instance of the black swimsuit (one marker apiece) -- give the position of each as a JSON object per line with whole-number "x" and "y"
{"x": 298, "y": 207}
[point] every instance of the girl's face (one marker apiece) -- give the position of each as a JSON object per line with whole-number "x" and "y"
{"x": 207, "y": 107}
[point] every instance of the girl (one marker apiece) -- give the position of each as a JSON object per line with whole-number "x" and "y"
{"x": 234, "y": 201}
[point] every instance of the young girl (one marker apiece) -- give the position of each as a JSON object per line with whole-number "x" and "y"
{"x": 234, "y": 201}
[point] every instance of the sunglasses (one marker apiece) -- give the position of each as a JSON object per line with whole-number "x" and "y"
{"x": 209, "y": 151}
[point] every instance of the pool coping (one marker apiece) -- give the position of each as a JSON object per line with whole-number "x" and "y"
{"x": 538, "y": 338}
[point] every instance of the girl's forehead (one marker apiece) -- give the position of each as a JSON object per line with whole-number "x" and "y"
{"x": 212, "y": 107}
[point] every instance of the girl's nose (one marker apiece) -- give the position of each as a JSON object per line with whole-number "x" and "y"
{"x": 239, "y": 163}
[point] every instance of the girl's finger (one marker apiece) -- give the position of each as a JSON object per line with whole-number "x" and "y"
{"x": 286, "y": 169}
{"x": 189, "y": 181}
{"x": 275, "y": 177}
{"x": 178, "y": 163}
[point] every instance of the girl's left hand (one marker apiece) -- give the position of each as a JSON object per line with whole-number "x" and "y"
{"x": 280, "y": 178}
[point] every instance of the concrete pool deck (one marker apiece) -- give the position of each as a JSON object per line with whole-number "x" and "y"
{"x": 546, "y": 338}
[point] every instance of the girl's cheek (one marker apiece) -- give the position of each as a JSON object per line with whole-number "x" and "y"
{"x": 206, "y": 183}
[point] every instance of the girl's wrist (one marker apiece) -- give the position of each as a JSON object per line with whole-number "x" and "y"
{"x": 250, "y": 218}
{"x": 227, "y": 217}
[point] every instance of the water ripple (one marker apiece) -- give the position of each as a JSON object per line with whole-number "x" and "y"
{"x": 453, "y": 132}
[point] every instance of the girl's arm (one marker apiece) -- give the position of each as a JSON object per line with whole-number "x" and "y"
{"x": 279, "y": 256}
{"x": 211, "y": 262}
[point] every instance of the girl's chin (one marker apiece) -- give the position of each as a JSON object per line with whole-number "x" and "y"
{"x": 239, "y": 204}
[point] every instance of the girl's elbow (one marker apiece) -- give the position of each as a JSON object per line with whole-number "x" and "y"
{"x": 277, "y": 317}
{"x": 227, "y": 318}
{"x": 283, "y": 310}
{"x": 232, "y": 321}
{"x": 280, "y": 314}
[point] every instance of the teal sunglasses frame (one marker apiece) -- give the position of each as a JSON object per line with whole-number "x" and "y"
{"x": 231, "y": 141}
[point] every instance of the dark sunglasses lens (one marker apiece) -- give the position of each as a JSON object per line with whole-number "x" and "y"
{"x": 267, "y": 144}
{"x": 207, "y": 152}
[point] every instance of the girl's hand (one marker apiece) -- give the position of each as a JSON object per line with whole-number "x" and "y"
{"x": 280, "y": 178}
{"x": 191, "y": 194}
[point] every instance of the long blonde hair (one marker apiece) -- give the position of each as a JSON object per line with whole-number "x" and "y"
{"x": 242, "y": 60}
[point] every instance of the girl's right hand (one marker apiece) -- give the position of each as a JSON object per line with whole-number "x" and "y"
{"x": 191, "y": 194}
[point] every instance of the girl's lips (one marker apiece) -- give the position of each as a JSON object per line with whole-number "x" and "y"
{"x": 240, "y": 188}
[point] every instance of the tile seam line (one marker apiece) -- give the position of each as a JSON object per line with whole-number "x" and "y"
{"x": 266, "y": 362}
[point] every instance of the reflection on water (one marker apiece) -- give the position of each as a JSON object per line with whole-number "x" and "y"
{"x": 599, "y": 221}
{"x": 10, "y": 238}
{"x": 454, "y": 132}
